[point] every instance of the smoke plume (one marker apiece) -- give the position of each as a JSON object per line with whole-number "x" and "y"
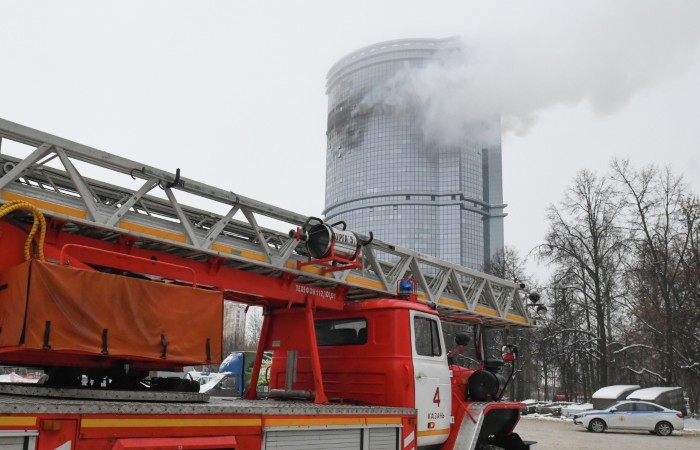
{"x": 602, "y": 54}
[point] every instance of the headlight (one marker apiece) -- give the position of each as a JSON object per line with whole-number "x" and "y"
{"x": 483, "y": 386}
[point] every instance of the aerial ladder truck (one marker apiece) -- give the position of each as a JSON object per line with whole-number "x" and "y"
{"x": 106, "y": 277}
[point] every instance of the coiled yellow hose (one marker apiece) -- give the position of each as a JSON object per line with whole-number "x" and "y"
{"x": 38, "y": 224}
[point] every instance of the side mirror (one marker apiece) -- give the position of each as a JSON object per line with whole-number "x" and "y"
{"x": 509, "y": 352}
{"x": 613, "y": 409}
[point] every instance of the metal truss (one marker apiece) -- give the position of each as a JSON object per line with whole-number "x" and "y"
{"x": 54, "y": 177}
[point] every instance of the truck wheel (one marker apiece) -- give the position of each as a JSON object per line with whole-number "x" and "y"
{"x": 663, "y": 429}
{"x": 597, "y": 426}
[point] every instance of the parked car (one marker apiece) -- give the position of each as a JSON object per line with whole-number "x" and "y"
{"x": 576, "y": 408}
{"x": 530, "y": 407}
{"x": 632, "y": 415}
{"x": 553, "y": 408}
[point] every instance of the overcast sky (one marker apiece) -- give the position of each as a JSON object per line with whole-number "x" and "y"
{"x": 233, "y": 92}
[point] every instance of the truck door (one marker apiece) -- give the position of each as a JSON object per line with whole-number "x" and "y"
{"x": 432, "y": 379}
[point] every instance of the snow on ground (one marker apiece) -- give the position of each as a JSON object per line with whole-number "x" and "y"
{"x": 570, "y": 410}
{"x": 691, "y": 424}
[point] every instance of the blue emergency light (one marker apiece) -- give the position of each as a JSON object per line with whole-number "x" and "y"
{"x": 407, "y": 286}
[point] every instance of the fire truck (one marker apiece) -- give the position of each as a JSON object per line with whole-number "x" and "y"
{"x": 106, "y": 276}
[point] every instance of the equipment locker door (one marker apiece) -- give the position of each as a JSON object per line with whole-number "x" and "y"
{"x": 374, "y": 438}
{"x": 57, "y": 434}
{"x": 432, "y": 379}
{"x": 341, "y": 439}
{"x": 18, "y": 440}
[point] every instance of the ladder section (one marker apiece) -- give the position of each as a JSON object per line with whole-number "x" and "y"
{"x": 75, "y": 184}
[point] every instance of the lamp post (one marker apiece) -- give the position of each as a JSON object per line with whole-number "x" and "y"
{"x": 539, "y": 312}
{"x": 540, "y": 308}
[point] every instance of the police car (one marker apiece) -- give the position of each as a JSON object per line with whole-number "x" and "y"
{"x": 632, "y": 415}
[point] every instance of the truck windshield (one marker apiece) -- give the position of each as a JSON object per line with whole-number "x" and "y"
{"x": 471, "y": 357}
{"x": 494, "y": 339}
{"x": 467, "y": 357}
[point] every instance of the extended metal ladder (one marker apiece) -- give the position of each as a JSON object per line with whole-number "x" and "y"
{"x": 54, "y": 177}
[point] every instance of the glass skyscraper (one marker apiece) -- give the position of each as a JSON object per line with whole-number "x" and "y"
{"x": 383, "y": 174}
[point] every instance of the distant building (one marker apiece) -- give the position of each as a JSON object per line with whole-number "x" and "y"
{"x": 382, "y": 175}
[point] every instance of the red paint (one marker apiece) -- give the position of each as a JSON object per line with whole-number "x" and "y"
{"x": 176, "y": 443}
{"x": 377, "y": 373}
{"x": 56, "y": 432}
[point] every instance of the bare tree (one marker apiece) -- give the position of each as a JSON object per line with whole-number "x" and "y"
{"x": 508, "y": 264}
{"x": 689, "y": 323}
{"x": 624, "y": 298}
{"x": 584, "y": 244}
{"x": 663, "y": 275}
{"x": 253, "y": 328}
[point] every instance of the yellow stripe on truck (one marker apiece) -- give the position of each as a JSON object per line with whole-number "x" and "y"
{"x": 337, "y": 421}
{"x": 18, "y": 421}
{"x": 433, "y": 432}
{"x": 167, "y": 423}
{"x": 383, "y": 421}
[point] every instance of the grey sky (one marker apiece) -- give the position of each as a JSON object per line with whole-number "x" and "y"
{"x": 233, "y": 92}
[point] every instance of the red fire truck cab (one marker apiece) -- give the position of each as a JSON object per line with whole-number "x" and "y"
{"x": 392, "y": 352}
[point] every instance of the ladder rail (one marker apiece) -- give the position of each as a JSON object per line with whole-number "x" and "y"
{"x": 110, "y": 195}
{"x": 35, "y": 138}
{"x": 241, "y": 241}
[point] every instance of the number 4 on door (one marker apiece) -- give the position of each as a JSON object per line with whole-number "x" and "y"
{"x": 436, "y": 397}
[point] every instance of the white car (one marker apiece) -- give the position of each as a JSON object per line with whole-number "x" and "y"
{"x": 632, "y": 415}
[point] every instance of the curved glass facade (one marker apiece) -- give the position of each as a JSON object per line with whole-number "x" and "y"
{"x": 384, "y": 176}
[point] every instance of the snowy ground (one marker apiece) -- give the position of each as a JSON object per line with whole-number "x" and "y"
{"x": 690, "y": 424}
{"x": 554, "y": 433}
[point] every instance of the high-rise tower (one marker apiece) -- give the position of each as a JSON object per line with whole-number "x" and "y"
{"x": 386, "y": 174}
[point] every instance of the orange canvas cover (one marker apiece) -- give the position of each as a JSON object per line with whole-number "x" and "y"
{"x": 137, "y": 314}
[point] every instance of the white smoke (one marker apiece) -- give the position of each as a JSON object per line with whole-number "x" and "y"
{"x": 599, "y": 53}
